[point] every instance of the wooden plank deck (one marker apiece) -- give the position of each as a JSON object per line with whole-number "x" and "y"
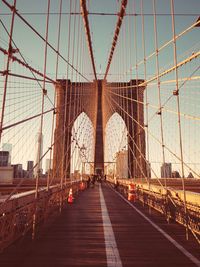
{"x": 76, "y": 238}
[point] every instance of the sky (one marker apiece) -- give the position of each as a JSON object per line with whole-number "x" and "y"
{"x": 24, "y": 96}
{"x": 102, "y": 27}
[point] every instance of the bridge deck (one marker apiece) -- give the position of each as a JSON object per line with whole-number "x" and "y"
{"x": 76, "y": 238}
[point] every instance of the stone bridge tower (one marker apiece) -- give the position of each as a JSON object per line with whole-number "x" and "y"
{"x": 90, "y": 98}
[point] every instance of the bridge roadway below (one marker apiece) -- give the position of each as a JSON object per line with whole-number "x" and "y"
{"x": 83, "y": 236}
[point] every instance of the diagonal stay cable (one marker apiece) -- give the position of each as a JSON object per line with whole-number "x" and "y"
{"x": 116, "y": 34}
{"x": 32, "y": 70}
{"x": 87, "y": 29}
{"x": 41, "y": 37}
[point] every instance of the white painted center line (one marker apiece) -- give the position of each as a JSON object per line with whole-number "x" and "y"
{"x": 112, "y": 253}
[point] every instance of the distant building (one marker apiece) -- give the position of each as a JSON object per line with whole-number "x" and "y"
{"x": 166, "y": 170}
{"x": 48, "y": 165}
{"x": 4, "y": 158}
{"x": 8, "y": 147}
{"x": 39, "y": 152}
{"x": 18, "y": 171}
{"x": 122, "y": 164}
{"x": 30, "y": 165}
{"x": 190, "y": 175}
{"x": 25, "y": 174}
{"x": 175, "y": 174}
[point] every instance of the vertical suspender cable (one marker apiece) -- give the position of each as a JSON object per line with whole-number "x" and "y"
{"x": 179, "y": 117}
{"x": 159, "y": 89}
{"x": 125, "y": 92}
{"x": 70, "y": 113}
{"x": 67, "y": 120}
{"x": 138, "y": 126}
{"x": 128, "y": 104}
{"x": 112, "y": 148}
{"x": 10, "y": 52}
{"x": 131, "y": 109}
{"x": 54, "y": 102}
{"x": 41, "y": 121}
{"x": 76, "y": 86}
{"x": 79, "y": 63}
{"x": 57, "y": 59}
{"x": 146, "y": 91}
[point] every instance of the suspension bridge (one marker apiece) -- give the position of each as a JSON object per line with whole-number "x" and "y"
{"x": 99, "y": 133}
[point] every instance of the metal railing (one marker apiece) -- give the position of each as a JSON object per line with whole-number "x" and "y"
{"x": 16, "y": 215}
{"x": 167, "y": 201}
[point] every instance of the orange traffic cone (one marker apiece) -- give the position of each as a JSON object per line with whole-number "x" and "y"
{"x": 131, "y": 193}
{"x": 70, "y": 197}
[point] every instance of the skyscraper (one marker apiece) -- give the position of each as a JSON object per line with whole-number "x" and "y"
{"x": 166, "y": 170}
{"x": 30, "y": 165}
{"x": 39, "y": 153}
{"x": 18, "y": 170}
{"x": 4, "y": 158}
{"x": 48, "y": 165}
{"x": 8, "y": 147}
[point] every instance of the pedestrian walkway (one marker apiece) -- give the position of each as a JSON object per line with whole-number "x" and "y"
{"x": 102, "y": 229}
